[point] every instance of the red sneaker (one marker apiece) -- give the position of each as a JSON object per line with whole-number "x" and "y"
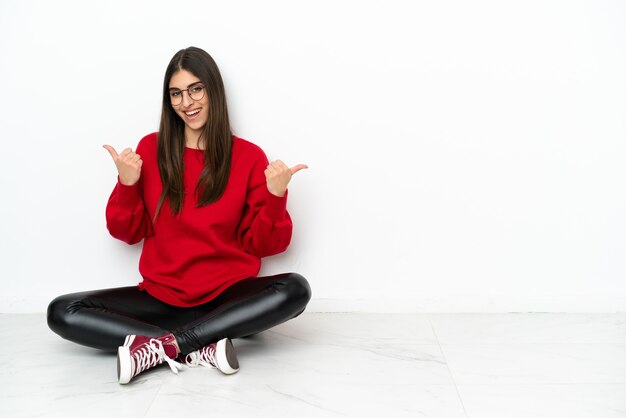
{"x": 220, "y": 355}
{"x": 141, "y": 353}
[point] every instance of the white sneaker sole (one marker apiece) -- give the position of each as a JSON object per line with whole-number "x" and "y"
{"x": 124, "y": 363}
{"x": 226, "y": 357}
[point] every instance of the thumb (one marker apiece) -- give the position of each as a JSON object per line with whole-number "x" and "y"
{"x": 297, "y": 168}
{"x": 111, "y": 151}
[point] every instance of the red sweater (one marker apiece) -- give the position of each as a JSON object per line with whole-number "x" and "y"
{"x": 190, "y": 258}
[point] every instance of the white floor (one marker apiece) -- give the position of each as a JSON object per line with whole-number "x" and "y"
{"x": 342, "y": 365}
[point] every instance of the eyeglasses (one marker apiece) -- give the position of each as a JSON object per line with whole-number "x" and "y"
{"x": 195, "y": 92}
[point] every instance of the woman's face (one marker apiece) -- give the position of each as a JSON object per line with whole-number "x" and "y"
{"x": 183, "y": 88}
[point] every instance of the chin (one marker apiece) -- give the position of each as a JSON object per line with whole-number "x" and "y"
{"x": 196, "y": 126}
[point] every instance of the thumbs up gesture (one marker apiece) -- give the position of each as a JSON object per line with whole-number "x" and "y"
{"x": 128, "y": 165}
{"x": 278, "y": 175}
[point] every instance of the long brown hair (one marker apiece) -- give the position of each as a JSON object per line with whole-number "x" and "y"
{"x": 216, "y": 135}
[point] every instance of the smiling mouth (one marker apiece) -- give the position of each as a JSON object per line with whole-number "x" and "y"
{"x": 192, "y": 113}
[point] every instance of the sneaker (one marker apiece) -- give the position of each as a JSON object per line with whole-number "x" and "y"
{"x": 220, "y": 355}
{"x": 141, "y": 353}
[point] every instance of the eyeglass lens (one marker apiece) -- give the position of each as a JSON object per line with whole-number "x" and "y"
{"x": 196, "y": 92}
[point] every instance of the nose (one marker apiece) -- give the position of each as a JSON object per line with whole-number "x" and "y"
{"x": 186, "y": 99}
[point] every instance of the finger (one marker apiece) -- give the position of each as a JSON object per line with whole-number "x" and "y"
{"x": 126, "y": 152}
{"x": 111, "y": 150}
{"x": 130, "y": 157}
{"x": 279, "y": 165}
{"x": 297, "y": 168}
{"x": 135, "y": 158}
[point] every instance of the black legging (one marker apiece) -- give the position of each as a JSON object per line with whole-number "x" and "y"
{"x": 103, "y": 318}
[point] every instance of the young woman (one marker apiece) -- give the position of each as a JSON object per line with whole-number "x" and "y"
{"x": 208, "y": 206}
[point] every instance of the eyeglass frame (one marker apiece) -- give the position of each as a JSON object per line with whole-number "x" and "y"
{"x": 196, "y": 84}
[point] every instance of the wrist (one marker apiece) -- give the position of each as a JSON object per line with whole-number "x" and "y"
{"x": 125, "y": 182}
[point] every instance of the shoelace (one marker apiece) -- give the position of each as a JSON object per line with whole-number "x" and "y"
{"x": 203, "y": 357}
{"x": 153, "y": 354}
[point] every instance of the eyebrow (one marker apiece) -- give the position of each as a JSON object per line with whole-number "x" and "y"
{"x": 192, "y": 84}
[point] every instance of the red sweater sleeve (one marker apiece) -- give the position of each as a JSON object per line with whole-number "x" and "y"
{"x": 265, "y": 228}
{"x": 126, "y": 215}
{"x": 127, "y": 219}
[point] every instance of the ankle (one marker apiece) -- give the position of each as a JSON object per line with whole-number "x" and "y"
{"x": 176, "y": 345}
{"x": 170, "y": 341}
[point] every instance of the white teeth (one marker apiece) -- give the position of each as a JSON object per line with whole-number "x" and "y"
{"x": 193, "y": 112}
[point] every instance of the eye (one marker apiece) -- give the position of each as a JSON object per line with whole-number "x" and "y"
{"x": 175, "y": 93}
{"x": 196, "y": 89}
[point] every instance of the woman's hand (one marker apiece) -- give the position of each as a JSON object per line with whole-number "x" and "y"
{"x": 128, "y": 165}
{"x": 278, "y": 176}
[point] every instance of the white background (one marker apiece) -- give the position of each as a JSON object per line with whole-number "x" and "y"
{"x": 464, "y": 155}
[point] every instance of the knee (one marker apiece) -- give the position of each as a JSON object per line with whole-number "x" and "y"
{"x": 58, "y": 311}
{"x": 298, "y": 290}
